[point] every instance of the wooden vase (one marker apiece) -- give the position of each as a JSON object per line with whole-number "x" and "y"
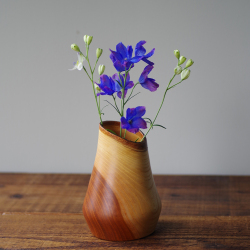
{"x": 122, "y": 202}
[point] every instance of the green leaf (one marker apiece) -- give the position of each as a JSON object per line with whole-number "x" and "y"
{"x": 104, "y": 107}
{"x": 111, "y": 131}
{"x": 132, "y": 97}
{"x": 113, "y": 106}
{"x": 159, "y": 126}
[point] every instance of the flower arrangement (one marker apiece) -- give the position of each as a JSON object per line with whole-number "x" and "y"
{"x": 120, "y": 83}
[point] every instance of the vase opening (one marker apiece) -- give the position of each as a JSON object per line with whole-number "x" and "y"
{"x": 115, "y": 127}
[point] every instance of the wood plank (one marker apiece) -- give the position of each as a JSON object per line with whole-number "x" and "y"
{"x": 180, "y": 195}
{"x": 69, "y": 231}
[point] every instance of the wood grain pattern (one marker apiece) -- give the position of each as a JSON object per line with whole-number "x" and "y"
{"x": 50, "y": 231}
{"x": 180, "y": 195}
{"x": 122, "y": 187}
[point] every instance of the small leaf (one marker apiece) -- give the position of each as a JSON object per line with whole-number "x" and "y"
{"x": 111, "y": 131}
{"x": 160, "y": 126}
{"x": 113, "y": 106}
{"x": 104, "y": 107}
{"x": 132, "y": 97}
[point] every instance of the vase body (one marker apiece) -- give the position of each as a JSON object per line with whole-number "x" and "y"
{"x": 122, "y": 202}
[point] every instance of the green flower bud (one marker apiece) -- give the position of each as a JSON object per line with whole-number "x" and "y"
{"x": 177, "y": 53}
{"x": 182, "y": 59}
{"x": 101, "y": 69}
{"x": 97, "y": 87}
{"x": 85, "y": 38}
{"x": 189, "y": 63}
{"x": 75, "y": 47}
{"x": 178, "y": 70}
{"x": 185, "y": 74}
{"x": 89, "y": 39}
{"x": 98, "y": 52}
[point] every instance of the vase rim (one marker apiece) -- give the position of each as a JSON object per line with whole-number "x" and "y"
{"x": 139, "y": 146}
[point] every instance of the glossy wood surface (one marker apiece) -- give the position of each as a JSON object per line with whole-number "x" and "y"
{"x": 122, "y": 202}
{"x": 43, "y": 211}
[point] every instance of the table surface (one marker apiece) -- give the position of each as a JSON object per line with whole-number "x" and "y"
{"x": 43, "y": 211}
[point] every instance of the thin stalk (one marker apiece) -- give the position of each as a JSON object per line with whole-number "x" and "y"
{"x": 125, "y": 133}
{"x": 152, "y": 124}
{"x": 116, "y": 105}
{"x": 131, "y": 92}
{"x": 92, "y": 81}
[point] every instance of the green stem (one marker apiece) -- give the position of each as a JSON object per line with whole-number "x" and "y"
{"x": 116, "y": 105}
{"x": 131, "y": 92}
{"x": 92, "y": 81}
{"x": 152, "y": 124}
{"x": 125, "y": 133}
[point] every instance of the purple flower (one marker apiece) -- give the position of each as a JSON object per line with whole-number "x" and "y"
{"x": 133, "y": 120}
{"x": 107, "y": 85}
{"x": 129, "y": 84}
{"x": 122, "y": 57}
{"x": 141, "y": 51}
{"x": 148, "y": 83}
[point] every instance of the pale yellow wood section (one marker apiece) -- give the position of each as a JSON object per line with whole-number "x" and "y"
{"x": 127, "y": 171}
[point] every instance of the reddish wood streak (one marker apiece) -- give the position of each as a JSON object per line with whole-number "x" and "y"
{"x": 102, "y": 211}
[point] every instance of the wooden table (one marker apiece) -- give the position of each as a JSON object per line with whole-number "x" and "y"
{"x": 43, "y": 211}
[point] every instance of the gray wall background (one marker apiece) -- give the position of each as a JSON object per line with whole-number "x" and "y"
{"x": 48, "y": 117}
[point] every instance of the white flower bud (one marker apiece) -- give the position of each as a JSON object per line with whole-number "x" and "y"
{"x": 177, "y": 53}
{"x": 189, "y": 63}
{"x": 75, "y": 47}
{"x": 185, "y": 74}
{"x": 98, "y": 52}
{"x": 85, "y": 38}
{"x": 178, "y": 70}
{"x": 182, "y": 59}
{"x": 97, "y": 87}
{"x": 101, "y": 69}
{"x": 89, "y": 39}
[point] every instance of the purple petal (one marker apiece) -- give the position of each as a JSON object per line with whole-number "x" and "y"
{"x": 104, "y": 81}
{"x": 135, "y": 59}
{"x": 120, "y": 48}
{"x": 112, "y": 57}
{"x": 116, "y": 55}
{"x": 150, "y": 53}
{"x": 133, "y": 130}
{"x": 139, "y": 49}
{"x": 140, "y": 111}
{"x": 145, "y": 73}
{"x": 147, "y": 61}
{"x": 115, "y": 77}
{"x": 138, "y": 123}
{"x": 129, "y": 52}
{"x": 150, "y": 84}
{"x": 125, "y": 124}
{"x": 127, "y": 65}
{"x": 130, "y": 113}
{"x": 129, "y": 85}
{"x": 139, "y": 44}
{"x": 119, "y": 67}
{"x": 119, "y": 94}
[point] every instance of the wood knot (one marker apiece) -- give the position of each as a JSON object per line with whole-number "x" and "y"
{"x": 16, "y": 196}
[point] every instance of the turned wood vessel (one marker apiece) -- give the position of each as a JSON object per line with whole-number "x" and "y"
{"x": 122, "y": 202}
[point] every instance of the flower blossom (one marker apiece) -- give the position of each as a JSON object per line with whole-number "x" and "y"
{"x": 129, "y": 84}
{"x": 122, "y": 58}
{"x": 107, "y": 85}
{"x": 79, "y": 64}
{"x": 141, "y": 51}
{"x": 134, "y": 121}
{"x": 148, "y": 83}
